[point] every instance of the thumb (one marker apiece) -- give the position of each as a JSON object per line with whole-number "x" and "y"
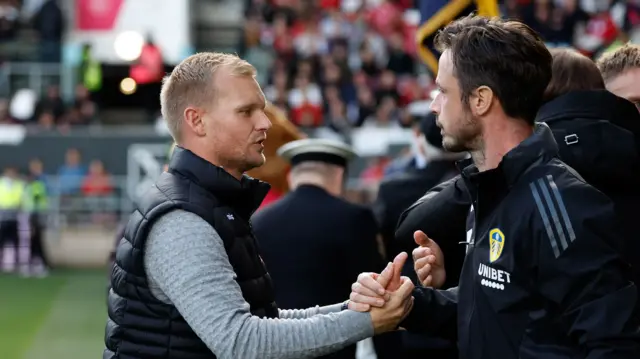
{"x": 385, "y": 277}
{"x": 398, "y": 264}
{"x": 421, "y": 239}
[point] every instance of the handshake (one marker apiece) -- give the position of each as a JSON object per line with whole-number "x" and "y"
{"x": 387, "y": 296}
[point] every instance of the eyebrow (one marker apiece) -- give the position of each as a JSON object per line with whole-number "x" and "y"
{"x": 251, "y": 106}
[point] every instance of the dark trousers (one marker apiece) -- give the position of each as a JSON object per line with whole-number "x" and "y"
{"x": 9, "y": 235}
{"x": 37, "y": 238}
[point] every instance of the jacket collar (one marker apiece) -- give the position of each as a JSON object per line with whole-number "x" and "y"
{"x": 540, "y": 147}
{"x": 244, "y": 195}
{"x": 596, "y": 104}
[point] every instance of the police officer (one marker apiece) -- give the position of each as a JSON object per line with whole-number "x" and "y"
{"x": 543, "y": 275}
{"x": 313, "y": 242}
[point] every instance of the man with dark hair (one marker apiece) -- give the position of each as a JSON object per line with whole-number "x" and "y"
{"x": 543, "y": 276}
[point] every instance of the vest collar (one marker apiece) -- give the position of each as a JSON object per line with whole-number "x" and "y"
{"x": 244, "y": 195}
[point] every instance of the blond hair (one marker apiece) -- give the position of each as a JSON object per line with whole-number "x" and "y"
{"x": 612, "y": 64}
{"x": 191, "y": 84}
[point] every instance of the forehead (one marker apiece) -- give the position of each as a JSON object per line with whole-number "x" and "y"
{"x": 237, "y": 88}
{"x": 626, "y": 85}
{"x": 445, "y": 68}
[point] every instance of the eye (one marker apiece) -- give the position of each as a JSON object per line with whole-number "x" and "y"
{"x": 246, "y": 113}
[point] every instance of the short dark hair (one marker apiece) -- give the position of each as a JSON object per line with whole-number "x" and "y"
{"x": 572, "y": 71}
{"x": 507, "y": 56}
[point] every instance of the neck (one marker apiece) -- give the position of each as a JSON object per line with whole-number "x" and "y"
{"x": 318, "y": 182}
{"x": 497, "y": 140}
{"x": 236, "y": 173}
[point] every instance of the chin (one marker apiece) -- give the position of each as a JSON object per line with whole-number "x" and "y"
{"x": 255, "y": 163}
{"x": 450, "y": 144}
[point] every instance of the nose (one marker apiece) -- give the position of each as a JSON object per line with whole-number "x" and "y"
{"x": 435, "y": 105}
{"x": 264, "y": 124}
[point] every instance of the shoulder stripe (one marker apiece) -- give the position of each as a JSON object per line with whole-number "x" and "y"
{"x": 554, "y": 214}
{"x": 563, "y": 209}
{"x": 545, "y": 219}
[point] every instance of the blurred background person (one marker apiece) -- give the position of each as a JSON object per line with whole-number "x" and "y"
{"x": 620, "y": 69}
{"x": 312, "y": 241}
{"x": 36, "y": 205}
{"x": 11, "y": 204}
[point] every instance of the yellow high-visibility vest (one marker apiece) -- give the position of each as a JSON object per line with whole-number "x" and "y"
{"x": 11, "y": 192}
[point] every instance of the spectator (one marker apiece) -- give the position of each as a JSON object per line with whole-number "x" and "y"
{"x": 71, "y": 174}
{"x": 277, "y": 91}
{"x": 386, "y": 114}
{"x": 49, "y": 22}
{"x": 97, "y": 183}
{"x": 52, "y": 102}
{"x": 387, "y": 87}
{"x": 9, "y": 14}
{"x": 400, "y": 62}
{"x": 305, "y": 101}
{"x": 47, "y": 121}
{"x": 311, "y": 42}
{"x": 366, "y": 105}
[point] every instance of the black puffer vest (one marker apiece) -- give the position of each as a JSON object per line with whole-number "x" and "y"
{"x": 139, "y": 325}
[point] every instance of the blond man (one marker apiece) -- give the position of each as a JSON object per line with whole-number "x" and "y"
{"x": 188, "y": 281}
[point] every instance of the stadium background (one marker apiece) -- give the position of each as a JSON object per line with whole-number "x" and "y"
{"x": 72, "y": 100}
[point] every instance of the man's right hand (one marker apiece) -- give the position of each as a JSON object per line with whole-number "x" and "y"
{"x": 372, "y": 289}
{"x": 398, "y": 306}
{"x": 428, "y": 261}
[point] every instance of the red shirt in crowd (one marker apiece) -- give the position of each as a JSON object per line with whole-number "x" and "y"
{"x": 97, "y": 185}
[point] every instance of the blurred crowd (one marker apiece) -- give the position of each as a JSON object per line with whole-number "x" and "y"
{"x": 49, "y": 112}
{"x": 334, "y": 65}
{"x": 348, "y": 64}
{"x": 87, "y": 186}
{"x": 331, "y": 65}
{"x": 23, "y": 21}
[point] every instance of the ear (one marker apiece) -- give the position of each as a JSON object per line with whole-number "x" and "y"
{"x": 481, "y": 100}
{"x": 194, "y": 118}
{"x": 289, "y": 179}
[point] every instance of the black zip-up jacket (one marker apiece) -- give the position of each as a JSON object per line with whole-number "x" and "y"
{"x": 543, "y": 277}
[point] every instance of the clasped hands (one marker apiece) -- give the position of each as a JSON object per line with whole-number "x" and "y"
{"x": 388, "y": 295}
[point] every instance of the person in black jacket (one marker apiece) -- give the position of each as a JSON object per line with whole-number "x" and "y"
{"x": 597, "y": 134}
{"x": 312, "y": 226}
{"x": 543, "y": 276}
{"x": 398, "y": 191}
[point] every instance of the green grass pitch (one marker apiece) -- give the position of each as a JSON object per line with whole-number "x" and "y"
{"x": 61, "y": 316}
